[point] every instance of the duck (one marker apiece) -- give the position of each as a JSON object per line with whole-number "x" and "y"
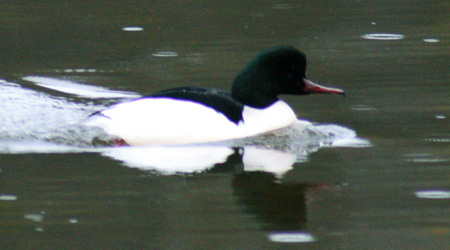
{"x": 190, "y": 115}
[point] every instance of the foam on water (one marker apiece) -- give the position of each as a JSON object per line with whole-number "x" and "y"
{"x": 34, "y": 121}
{"x": 78, "y": 89}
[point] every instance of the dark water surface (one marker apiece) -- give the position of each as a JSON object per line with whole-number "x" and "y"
{"x": 62, "y": 61}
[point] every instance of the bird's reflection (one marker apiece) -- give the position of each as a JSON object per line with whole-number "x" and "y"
{"x": 198, "y": 159}
{"x": 274, "y": 153}
{"x": 256, "y": 178}
{"x": 257, "y": 187}
{"x": 279, "y": 206}
{"x": 256, "y": 171}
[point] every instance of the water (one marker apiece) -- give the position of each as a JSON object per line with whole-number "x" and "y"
{"x": 372, "y": 173}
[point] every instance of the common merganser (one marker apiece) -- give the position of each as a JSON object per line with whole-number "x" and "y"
{"x": 196, "y": 115}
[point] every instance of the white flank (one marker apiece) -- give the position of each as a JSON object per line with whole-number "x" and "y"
{"x": 165, "y": 121}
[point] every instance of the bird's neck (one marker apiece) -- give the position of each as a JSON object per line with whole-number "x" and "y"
{"x": 255, "y": 88}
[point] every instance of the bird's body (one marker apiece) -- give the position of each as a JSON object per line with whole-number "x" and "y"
{"x": 193, "y": 123}
{"x": 195, "y": 115}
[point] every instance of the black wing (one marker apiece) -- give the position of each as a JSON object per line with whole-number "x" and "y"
{"x": 219, "y": 100}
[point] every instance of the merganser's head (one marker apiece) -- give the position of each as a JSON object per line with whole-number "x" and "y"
{"x": 276, "y": 71}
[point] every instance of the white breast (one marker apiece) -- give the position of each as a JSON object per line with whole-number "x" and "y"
{"x": 276, "y": 116}
{"x": 163, "y": 121}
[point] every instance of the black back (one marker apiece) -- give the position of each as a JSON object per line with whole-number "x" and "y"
{"x": 219, "y": 100}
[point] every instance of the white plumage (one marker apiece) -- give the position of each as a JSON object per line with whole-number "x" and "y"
{"x": 163, "y": 121}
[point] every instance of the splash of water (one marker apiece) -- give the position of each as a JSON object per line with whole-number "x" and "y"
{"x": 35, "y": 121}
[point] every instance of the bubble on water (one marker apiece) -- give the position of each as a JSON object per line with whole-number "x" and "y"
{"x": 133, "y": 29}
{"x": 73, "y": 221}
{"x": 433, "y": 194}
{"x": 363, "y": 108}
{"x": 438, "y": 139}
{"x": 431, "y": 40}
{"x": 383, "y": 36}
{"x": 39, "y": 217}
{"x": 291, "y": 237}
{"x": 424, "y": 158}
{"x": 165, "y": 54}
{"x": 8, "y": 197}
{"x": 282, "y": 6}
